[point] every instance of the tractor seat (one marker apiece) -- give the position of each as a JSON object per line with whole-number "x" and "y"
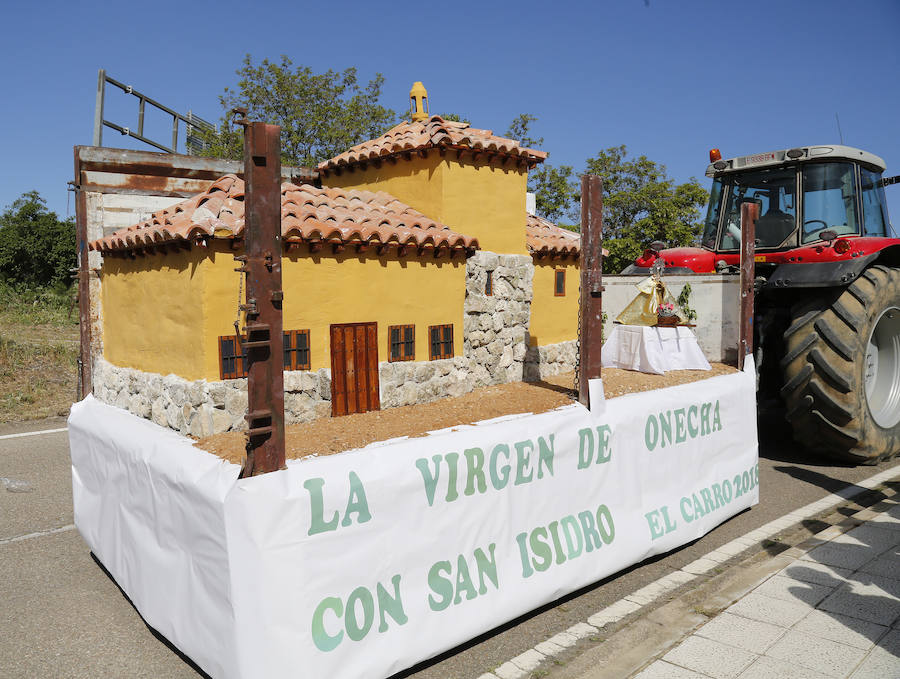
{"x": 773, "y": 227}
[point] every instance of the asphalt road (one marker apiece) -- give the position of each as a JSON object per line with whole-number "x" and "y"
{"x": 62, "y": 616}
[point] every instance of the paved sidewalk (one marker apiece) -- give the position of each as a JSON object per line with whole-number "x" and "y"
{"x": 833, "y": 611}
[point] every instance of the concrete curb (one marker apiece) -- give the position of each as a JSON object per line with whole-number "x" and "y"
{"x": 523, "y": 664}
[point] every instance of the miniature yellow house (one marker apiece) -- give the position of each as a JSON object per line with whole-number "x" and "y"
{"x": 416, "y": 248}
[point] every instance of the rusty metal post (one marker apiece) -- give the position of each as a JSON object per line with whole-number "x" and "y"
{"x": 590, "y": 325}
{"x": 264, "y": 341}
{"x": 749, "y": 215}
{"x": 85, "y": 373}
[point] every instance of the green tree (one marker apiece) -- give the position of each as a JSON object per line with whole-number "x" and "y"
{"x": 321, "y": 115}
{"x": 520, "y": 130}
{"x": 642, "y": 204}
{"x": 36, "y": 248}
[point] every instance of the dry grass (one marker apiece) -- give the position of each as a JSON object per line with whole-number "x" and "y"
{"x": 38, "y": 354}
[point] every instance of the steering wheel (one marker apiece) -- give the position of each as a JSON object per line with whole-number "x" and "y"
{"x": 815, "y": 221}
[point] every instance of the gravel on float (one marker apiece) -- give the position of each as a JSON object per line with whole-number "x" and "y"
{"x": 330, "y": 435}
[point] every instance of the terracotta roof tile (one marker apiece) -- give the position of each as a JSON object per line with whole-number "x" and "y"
{"x": 432, "y": 133}
{"x": 543, "y": 237}
{"x": 308, "y": 214}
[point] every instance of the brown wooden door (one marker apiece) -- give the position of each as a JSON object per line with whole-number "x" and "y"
{"x": 354, "y": 368}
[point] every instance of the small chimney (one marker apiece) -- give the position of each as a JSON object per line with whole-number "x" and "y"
{"x": 418, "y": 102}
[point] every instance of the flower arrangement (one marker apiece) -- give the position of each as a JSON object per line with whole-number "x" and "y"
{"x": 666, "y": 309}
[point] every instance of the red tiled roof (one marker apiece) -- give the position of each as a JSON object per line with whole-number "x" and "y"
{"x": 546, "y": 238}
{"x": 307, "y": 214}
{"x": 432, "y": 133}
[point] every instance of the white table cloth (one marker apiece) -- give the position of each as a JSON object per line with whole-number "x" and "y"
{"x": 653, "y": 350}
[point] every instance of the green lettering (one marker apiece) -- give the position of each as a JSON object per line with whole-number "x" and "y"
{"x": 656, "y": 530}
{"x": 392, "y": 605}
{"x": 440, "y": 586}
{"x": 603, "y": 450}
{"x": 708, "y": 503}
{"x": 686, "y": 512}
{"x": 523, "y": 462}
{"x": 698, "y": 508}
{"x": 486, "y": 567}
{"x": 540, "y": 548}
{"x": 451, "y": 459}
{"x": 717, "y": 494}
{"x": 356, "y": 503}
{"x": 317, "y": 523}
{"x": 545, "y": 456}
{"x": 680, "y": 431}
{"x": 527, "y": 570}
{"x": 704, "y": 419}
{"x": 324, "y": 641}
{"x": 665, "y": 424}
{"x": 557, "y": 545}
{"x": 499, "y": 482}
{"x": 574, "y": 540}
{"x": 429, "y": 478}
{"x": 692, "y": 424}
{"x": 463, "y": 581}
{"x": 363, "y": 597}
{"x": 585, "y": 436}
{"x": 717, "y": 422}
{"x": 589, "y": 529}
{"x": 650, "y": 439}
{"x": 475, "y": 463}
{"x": 605, "y": 524}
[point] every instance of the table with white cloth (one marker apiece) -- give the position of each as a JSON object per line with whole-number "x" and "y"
{"x": 653, "y": 349}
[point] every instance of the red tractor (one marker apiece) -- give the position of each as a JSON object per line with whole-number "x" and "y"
{"x": 827, "y": 311}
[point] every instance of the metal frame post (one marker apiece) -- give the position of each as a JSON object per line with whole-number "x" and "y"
{"x": 85, "y": 367}
{"x": 590, "y": 324}
{"x": 749, "y": 215}
{"x": 264, "y": 341}
{"x": 98, "y": 111}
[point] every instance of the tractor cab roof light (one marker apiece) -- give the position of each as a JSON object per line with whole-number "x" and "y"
{"x": 714, "y": 155}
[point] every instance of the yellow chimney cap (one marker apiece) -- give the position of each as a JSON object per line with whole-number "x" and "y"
{"x": 418, "y": 102}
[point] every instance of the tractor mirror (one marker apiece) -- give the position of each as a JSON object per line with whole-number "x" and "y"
{"x": 657, "y": 246}
{"x": 828, "y": 234}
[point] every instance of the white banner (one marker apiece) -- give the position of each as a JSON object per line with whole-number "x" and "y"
{"x": 365, "y": 563}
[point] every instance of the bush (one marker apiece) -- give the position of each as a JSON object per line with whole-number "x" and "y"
{"x": 37, "y": 250}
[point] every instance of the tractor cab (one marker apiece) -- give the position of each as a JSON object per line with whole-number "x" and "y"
{"x": 805, "y": 195}
{"x": 808, "y": 197}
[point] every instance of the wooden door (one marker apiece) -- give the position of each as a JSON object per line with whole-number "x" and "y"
{"x": 354, "y": 368}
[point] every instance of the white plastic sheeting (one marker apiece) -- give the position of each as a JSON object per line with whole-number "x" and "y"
{"x": 367, "y": 562}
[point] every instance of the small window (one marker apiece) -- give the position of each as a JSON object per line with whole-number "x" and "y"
{"x": 233, "y": 365}
{"x": 402, "y": 343}
{"x": 296, "y": 350}
{"x": 489, "y": 284}
{"x": 874, "y": 221}
{"x": 559, "y": 288}
{"x": 441, "y": 341}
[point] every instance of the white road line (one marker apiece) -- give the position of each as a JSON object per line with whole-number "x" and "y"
{"x": 522, "y": 665}
{"x": 33, "y": 433}
{"x": 38, "y": 534}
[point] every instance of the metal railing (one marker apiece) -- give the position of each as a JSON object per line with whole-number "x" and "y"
{"x": 194, "y": 144}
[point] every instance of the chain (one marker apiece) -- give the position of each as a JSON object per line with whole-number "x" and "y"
{"x": 578, "y": 336}
{"x": 237, "y": 313}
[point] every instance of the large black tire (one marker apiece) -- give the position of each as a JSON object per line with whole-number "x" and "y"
{"x": 842, "y": 369}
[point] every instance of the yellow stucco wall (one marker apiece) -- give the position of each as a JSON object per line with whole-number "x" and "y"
{"x": 554, "y": 319}
{"x": 152, "y": 313}
{"x": 475, "y": 199}
{"x": 322, "y": 289}
{"x": 165, "y": 313}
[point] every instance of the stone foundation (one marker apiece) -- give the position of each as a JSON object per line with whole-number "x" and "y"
{"x": 407, "y": 383}
{"x": 201, "y": 408}
{"x": 553, "y": 359}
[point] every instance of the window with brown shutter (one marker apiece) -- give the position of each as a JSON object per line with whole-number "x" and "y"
{"x": 233, "y": 365}
{"x": 440, "y": 340}
{"x": 401, "y": 343}
{"x": 559, "y": 289}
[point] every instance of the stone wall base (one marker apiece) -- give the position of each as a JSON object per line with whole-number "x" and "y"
{"x": 553, "y": 359}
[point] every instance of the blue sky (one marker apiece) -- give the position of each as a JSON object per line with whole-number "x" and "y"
{"x": 668, "y": 79}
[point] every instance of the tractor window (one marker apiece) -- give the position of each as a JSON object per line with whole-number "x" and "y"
{"x": 829, "y": 200}
{"x": 774, "y": 192}
{"x": 711, "y": 227}
{"x": 874, "y": 222}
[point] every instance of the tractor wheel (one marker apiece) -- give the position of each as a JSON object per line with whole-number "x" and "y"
{"x": 842, "y": 369}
